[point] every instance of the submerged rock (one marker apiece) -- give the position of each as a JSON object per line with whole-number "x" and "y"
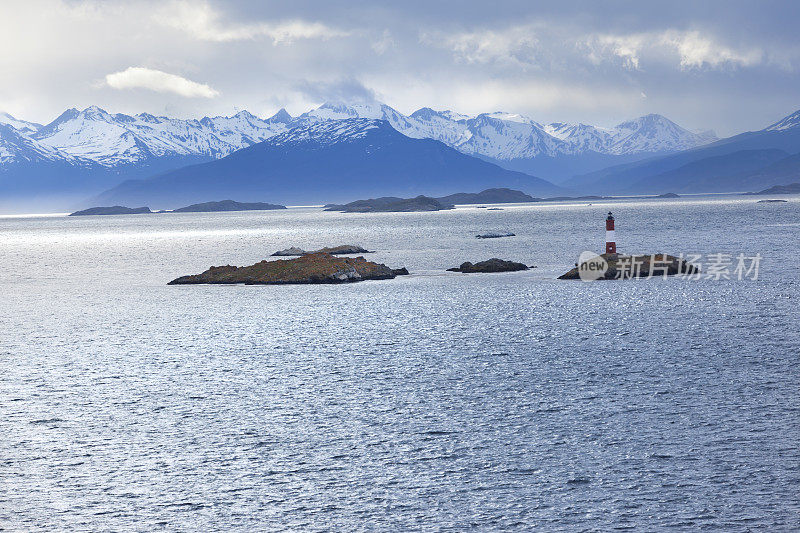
{"x": 112, "y": 210}
{"x": 494, "y": 235}
{"x": 309, "y": 268}
{"x": 335, "y": 250}
{"x": 490, "y": 265}
{"x": 615, "y": 266}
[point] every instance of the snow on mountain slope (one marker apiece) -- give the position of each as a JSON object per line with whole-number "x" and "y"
{"x": 375, "y": 110}
{"x": 22, "y": 126}
{"x": 118, "y": 139}
{"x": 651, "y": 133}
{"x": 786, "y": 123}
{"x": 15, "y": 147}
{"x": 244, "y": 129}
{"x": 445, "y": 126}
{"x": 581, "y": 137}
{"x": 513, "y": 117}
{"x": 505, "y": 139}
{"x": 506, "y": 136}
{"x": 327, "y": 132}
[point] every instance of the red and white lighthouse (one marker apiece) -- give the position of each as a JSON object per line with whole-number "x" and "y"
{"x": 611, "y": 244}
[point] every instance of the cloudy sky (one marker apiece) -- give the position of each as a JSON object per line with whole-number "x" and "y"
{"x": 728, "y": 65}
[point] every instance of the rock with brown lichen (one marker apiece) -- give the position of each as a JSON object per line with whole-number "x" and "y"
{"x": 309, "y": 268}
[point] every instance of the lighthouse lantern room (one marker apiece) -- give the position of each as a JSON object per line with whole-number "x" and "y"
{"x": 611, "y": 244}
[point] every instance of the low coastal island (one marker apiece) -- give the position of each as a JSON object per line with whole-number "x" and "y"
{"x": 792, "y": 188}
{"x": 227, "y": 205}
{"x": 490, "y": 265}
{"x": 312, "y": 268}
{"x": 489, "y": 196}
{"x": 333, "y": 250}
{"x": 390, "y": 204}
{"x": 206, "y": 207}
{"x": 393, "y": 204}
{"x": 615, "y": 266}
{"x": 112, "y": 210}
{"x": 426, "y": 203}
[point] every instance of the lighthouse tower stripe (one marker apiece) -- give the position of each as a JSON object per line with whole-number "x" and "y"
{"x": 611, "y": 244}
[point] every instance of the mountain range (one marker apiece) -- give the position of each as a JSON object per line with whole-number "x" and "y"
{"x": 745, "y": 162}
{"x": 327, "y": 161}
{"x": 82, "y": 153}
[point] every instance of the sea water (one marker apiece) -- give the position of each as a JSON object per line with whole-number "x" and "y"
{"x": 436, "y": 401}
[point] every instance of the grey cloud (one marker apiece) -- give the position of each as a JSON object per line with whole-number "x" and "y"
{"x": 728, "y": 65}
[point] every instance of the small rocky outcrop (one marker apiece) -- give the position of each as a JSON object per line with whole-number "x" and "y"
{"x": 616, "y": 266}
{"x": 495, "y": 235}
{"x": 334, "y": 250}
{"x": 310, "y": 268}
{"x": 490, "y": 265}
{"x": 112, "y": 210}
{"x": 771, "y": 201}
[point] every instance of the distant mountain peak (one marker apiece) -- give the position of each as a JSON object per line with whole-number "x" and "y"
{"x": 94, "y": 111}
{"x": 512, "y": 117}
{"x": 786, "y": 123}
{"x": 281, "y": 117}
{"x": 23, "y": 126}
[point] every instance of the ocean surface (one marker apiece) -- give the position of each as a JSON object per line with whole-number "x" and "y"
{"x": 438, "y": 401}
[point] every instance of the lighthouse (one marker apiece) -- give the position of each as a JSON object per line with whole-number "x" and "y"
{"x": 611, "y": 245}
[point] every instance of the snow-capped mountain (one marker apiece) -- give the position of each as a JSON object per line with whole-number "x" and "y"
{"x": 17, "y": 148}
{"x": 327, "y": 161}
{"x": 508, "y": 136}
{"x": 119, "y": 139}
{"x": 787, "y": 123}
{"x": 652, "y": 133}
{"x": 24, "y": 127}
{"x": 326, "y": 132}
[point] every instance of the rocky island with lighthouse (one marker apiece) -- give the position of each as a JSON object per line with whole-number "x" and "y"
{"x": 611, "y": 265}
